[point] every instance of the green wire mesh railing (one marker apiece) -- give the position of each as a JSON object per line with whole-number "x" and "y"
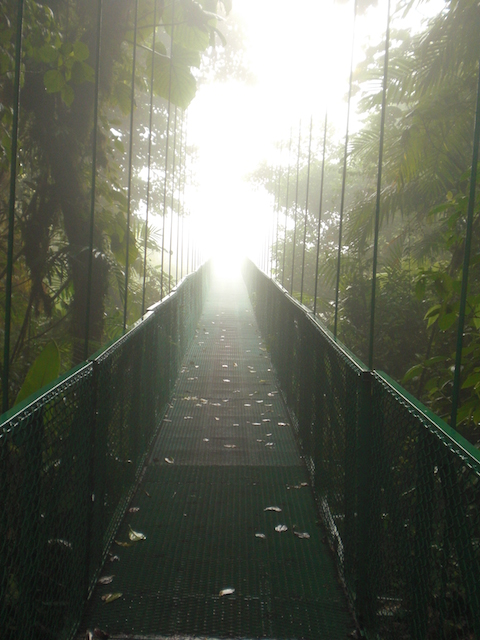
{"x": 397, "y": 488}
{"x": 70, "y": 457}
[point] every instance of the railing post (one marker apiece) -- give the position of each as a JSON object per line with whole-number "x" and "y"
{"x": 29, "y": 529}
{"x": 366, "y": 565}
{"x": 423, "y": 530}
{"x": 351, "y": 399}
{"x": 305, "y": 396}
{"x": 90, "y": 559}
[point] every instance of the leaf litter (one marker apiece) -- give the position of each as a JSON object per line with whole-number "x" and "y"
{"x": 136, "y": 536}
{"x": 277, "y": 509}
{"x": 110, "y": 597}
{"x": 226, "y": 592}
{"x": 302, "y": 535}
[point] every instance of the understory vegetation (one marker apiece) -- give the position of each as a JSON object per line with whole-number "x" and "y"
{"x": 427, "y": 156}
{"x": 72, "y": 205}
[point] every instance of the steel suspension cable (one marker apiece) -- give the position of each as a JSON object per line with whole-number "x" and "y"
{"x": 344, "y": 175}
{"x": 167, "y": 143}
{"x": 278, "y": 209}
{"x": 296, "y": 207}
{"x": 180, "y": 168}
{"x": 320, "y": 206}
{"x": 306, "y": 208}
{"x": 130, "y": 164}
{"x": 11, "y": 207}
{"x": 379, "y": 192}
{"x": 183, "y": 189}
{"x": 172, "y": 211}
{"x": 286, "y": 210}
{"x": 94, "y": 177}
{"x": 149, "y": 158}
{"x": 466, "y": 262}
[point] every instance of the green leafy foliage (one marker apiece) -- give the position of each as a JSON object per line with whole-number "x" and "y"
{"x": 54, "y": 180}
{"x": 44, "y": 369}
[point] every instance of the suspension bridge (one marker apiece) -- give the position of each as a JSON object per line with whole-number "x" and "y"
{"x": 224, "y": 467}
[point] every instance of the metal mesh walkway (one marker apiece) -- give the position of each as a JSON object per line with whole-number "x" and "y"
{"x": 224, "y": 454}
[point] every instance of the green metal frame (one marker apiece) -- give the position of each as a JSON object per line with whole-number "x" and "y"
{"x": 397, "y": 488}
{"x": 70, "y": 458}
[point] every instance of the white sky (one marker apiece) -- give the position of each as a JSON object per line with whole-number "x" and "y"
{"x": 300, "y": 55}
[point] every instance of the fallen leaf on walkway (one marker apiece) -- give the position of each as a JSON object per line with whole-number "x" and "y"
{"x": 281, "y": 527}
{"x": 110, "y": 597}
{"x": 230, "y": 446}
{"x": 169, "y": 460}
{"x": 299, "y": 534}
{"x": 226, "y": 592}
{"x": 225, "y": 380}
{"x": 262, "y": 536}
{"x": 206, "y": 440}
{"x": 269, "y": 444}
{"x": 113, "y": 558}
{"x": 147, "y": 494}
{"x": 123, "y": 544}
{"x": 277, "y": 509}
{"x": 134, "y": 509}
{"x": 105, "y": 580}
{"x": 136, "y": 536}
{"x": 282, "y": 424}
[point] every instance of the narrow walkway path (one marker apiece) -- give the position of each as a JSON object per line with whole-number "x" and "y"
{"x": 213, "y": 563}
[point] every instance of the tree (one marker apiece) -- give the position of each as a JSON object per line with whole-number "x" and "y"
{"x": 54, "y": 184}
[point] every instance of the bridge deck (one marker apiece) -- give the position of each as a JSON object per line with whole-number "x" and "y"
{"x": 224, "y": 454}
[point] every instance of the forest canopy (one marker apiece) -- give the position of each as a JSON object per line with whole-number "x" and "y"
{"x": 79, "y": 216}
{"x": 431, "y": 90}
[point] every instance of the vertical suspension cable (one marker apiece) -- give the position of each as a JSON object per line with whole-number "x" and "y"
{"x": 149, "y": 159}
{"x": 130, "y": 163}
{"x": 180, "y": 168}
{"x": 344, "y": 175}
{"x": 379, "y": 192}
{"x": 183, "y": 192}
{"x": 172, "y": 208}
{"x": 189, "y": 230}
{"x": 11, "y": 207}
{"x": 296, "y": 207}
{"x": 93, "y": 178}
{"x": 286, "y": 210}
{"x": 167, "y": 142}
{"x": 306, "y": 208}
{"x": 274, "y": 211}
{"x": 466, "y": 262}
{"x": 278, "y": 209}
{"x": 319, "y": 228}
